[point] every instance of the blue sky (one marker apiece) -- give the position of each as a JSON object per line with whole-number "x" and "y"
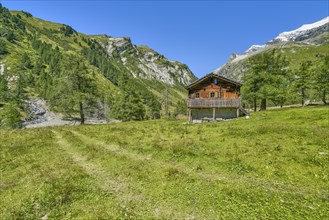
{"x": 201, "y": 34}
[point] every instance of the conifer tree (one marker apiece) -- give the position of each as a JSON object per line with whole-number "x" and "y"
{"x": 3, "y": 47}
{"x": 10, "y": 116}
{"x": 128, "y": 105}
{"x": 74, "y": 87}
{"x": 321, "y": 77}
{"x": 303, "y": 79}
{"x": 266, "y": 78}
{"x": 4, "y": 92}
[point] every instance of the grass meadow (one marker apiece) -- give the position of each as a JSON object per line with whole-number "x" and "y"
{"x": 272, "y": 166}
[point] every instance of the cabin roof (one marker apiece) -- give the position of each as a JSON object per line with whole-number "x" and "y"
{"x": 221, "y": 78}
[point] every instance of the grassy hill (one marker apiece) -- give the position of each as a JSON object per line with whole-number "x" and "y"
{"x": 35, "y": 55}
{"x": 273, "y": 165}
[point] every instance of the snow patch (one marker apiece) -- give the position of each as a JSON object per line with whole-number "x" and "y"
{"x": 254, "y": 48}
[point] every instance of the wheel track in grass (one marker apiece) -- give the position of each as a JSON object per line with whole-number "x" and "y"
{"x": 115, "y": 149}
{"x": 206, "y": 176}
{"x": 90, "y": 168}
{"x": 119, "y": 188}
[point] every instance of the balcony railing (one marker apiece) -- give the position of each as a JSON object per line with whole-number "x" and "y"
{"x": 214, "y": 103}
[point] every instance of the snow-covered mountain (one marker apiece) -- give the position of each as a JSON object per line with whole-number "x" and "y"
{"x": 303, "y": 32}
{"x": 307, "y": 34}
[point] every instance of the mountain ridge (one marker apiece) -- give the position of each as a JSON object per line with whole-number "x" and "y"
{"x": 307, "y": 36}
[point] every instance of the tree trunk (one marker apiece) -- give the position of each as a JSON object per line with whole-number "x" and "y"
{"x": 255, "y": 105}
{"x": 263, "y": 105}
{"x": 324, "y": 97}
{"x": 82, "y": 115}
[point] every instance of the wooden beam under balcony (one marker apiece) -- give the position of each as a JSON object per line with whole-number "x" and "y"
{"x": 214, "y": 103}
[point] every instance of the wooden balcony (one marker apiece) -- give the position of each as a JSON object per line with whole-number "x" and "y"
{"x": 214, "y": 103}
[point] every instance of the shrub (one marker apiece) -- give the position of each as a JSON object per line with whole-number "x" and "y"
{"x": 10, "y": 116}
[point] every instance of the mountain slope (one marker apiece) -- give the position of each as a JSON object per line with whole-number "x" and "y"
{"x": 298, "y": 45}
{"x": 36, "y": 51}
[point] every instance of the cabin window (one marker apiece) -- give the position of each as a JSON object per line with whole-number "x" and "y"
{"x": 212, "y": 94}
{"x": 197, "y": 95}
{"x": 216, "y": 81}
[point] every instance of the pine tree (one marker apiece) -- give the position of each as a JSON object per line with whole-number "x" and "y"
{"x": 10, "y": 116}
{"x": 180, "y": 108}
{"x": 74, "y": 87}
{"x": 266, "y": 78}
{"x": 3, "y": 47}
{"x": 321, "y": 77}
{"x": 303, "y": 79}
{"x": 128, "y": 105}
{"x": 25, "y": 62}
{"x": 152, "y": 106}
{"x": 4, "y": 92}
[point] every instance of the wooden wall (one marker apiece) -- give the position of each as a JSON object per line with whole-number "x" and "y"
{"x": 221, "y": 90}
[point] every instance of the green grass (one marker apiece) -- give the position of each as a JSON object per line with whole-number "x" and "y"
{"x": 298, "y": 53}
{"x": 274, "y": 165}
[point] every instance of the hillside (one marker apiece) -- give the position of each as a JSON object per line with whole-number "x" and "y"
{"x": 302, "y": 44}
{"x": 272, "y": 166}
{"x": 35, "y": 58}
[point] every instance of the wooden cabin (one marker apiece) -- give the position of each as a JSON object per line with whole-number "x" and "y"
{"x": 213, "y": 98}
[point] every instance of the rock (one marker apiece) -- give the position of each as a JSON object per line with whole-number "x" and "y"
{"x": 41, "y": 116}
{"x": 2, "y": 69}
{"x": 147, "y": 63}
{"x": 36, "y": 108}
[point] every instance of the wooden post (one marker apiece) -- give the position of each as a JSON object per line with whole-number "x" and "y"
{"x": 237, "y": 112}
{"x": 213, "y": 114}
{"x": 190, "y": 115}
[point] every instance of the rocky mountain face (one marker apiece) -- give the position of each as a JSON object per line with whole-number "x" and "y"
{"x": 143, "y": 62}
{"x": 303, "y": 42}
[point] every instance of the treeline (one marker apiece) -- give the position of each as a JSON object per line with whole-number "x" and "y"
{"x": 268, "y": 78}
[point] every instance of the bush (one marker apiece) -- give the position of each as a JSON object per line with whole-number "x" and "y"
{"x": 10, "y": 116}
